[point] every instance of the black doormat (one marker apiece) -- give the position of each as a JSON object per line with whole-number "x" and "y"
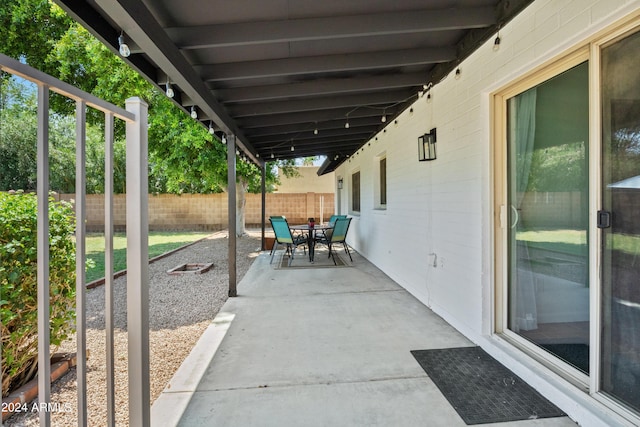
{"x": 482, "y": 390}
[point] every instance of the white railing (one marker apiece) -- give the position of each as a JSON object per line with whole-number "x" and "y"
{"x": 135, "y": 116}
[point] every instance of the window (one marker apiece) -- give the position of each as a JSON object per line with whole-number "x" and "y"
{"x": 379, "y": 168}
{"x": 355, "y": 192}
{"x": 383, "y": 182}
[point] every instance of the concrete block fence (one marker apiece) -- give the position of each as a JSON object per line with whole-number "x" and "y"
{"x": 209, "y": 211}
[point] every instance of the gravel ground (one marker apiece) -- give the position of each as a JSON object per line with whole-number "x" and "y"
{"x": 180, "y": 309}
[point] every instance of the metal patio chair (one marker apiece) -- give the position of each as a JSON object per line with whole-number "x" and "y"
{"x": 284, "y": 237}
{"x": 338, "y": 235}
{"x": 327, "y": 233}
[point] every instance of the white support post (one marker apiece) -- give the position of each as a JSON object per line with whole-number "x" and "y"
{"x": 108, "y": 268}
{"x": 231, "y": 192}
{"x": 138, "y": 265}
{"x": 44, "y": 331}
{"x": 81, "y": 299}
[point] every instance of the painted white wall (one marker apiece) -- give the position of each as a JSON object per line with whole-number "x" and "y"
{"x": 435, "y": 237}
{"x": 308, "y": 181}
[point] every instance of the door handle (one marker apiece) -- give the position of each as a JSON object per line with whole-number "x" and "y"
{"x": 515, "y": 216}
{"x": 604, "y": 219}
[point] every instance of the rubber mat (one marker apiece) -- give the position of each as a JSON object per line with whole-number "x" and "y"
{"x": 481, "y": 389}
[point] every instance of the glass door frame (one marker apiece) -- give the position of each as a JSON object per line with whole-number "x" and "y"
{"x": 589, "y": 51}
{"x": 501, "y": 219}
{"x": 622, "y": 31}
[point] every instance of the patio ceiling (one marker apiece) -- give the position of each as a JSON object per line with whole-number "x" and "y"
{"x": 285, "y": 76}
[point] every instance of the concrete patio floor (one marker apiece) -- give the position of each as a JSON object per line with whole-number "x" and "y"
{"x": 315, "y": 347}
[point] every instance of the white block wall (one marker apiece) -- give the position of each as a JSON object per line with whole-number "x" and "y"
{"x": 444, "y": 207}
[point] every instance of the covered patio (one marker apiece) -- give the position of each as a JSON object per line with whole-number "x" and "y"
{"x": 328, "y": 346}
{"x": 283, "y": 79}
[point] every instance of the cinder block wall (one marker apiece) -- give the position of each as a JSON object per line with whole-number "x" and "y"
{"x": 208, "y": 211}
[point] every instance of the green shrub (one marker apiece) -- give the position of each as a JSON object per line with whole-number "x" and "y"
{"x": 18, "y": 282}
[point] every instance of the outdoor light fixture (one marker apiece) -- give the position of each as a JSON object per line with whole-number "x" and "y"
{"x": 427, "y": 146}
{"x": 340, "y": 183}
{"x": 292, "y": 148}
{"x": 123, "y": 48}
{"x": 224, "y": 138}
{"x": 211, "y": 129}
{"x": 194, "y": 113}
{"x": 384, "y": 117}
{"x": 169, "y": 91}
{"x": 346, "y": 125}
{"x": 315, "y": 131}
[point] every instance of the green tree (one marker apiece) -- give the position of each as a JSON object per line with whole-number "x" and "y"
{"x": 18, "y": 145}
{"x": 30, "y": 29}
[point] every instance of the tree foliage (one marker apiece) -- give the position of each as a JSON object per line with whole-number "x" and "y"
{"x": 18, "y": 136}
{"x": 559, "y": 168}
{"x": 30, "y": 29}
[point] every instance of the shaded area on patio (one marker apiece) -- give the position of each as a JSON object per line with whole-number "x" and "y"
{"x": 326, "y": 346}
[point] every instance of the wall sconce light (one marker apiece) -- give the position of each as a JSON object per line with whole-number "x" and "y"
{"x": 427, "y": 146}
{"x": 340, "y": 183}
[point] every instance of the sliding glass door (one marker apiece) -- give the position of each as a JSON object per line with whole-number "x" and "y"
{"x": 619, "y": 220}
{"x": 548, "y": 200}
{"x": 568, "y": 229}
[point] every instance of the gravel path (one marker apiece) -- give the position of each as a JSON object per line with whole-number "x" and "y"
{"x": 181, "y": 308}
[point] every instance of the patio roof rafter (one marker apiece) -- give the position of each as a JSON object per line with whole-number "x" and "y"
{"x": 378, "y": 101}
{"x": 277, "y": 132}
{"x": 324, "y": 64}
{"x": 320, "y": 87}
{"x": 290, "y": 30}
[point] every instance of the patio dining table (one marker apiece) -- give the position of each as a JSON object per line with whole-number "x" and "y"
{"x": 311, "y": 234}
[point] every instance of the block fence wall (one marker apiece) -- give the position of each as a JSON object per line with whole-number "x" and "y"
{"x": 208, "y": 211}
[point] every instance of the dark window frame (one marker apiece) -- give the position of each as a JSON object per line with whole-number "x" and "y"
{"x": 383, "y": 181}
{"x": 355, "y": 191}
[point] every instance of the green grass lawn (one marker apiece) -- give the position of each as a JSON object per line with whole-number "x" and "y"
{"x": 565, "y": 241}
{"x": 159, "y": 243}
{"x": 575, "y": 241}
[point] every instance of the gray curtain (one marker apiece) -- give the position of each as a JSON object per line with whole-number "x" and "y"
{"x": 522, "y": 110}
